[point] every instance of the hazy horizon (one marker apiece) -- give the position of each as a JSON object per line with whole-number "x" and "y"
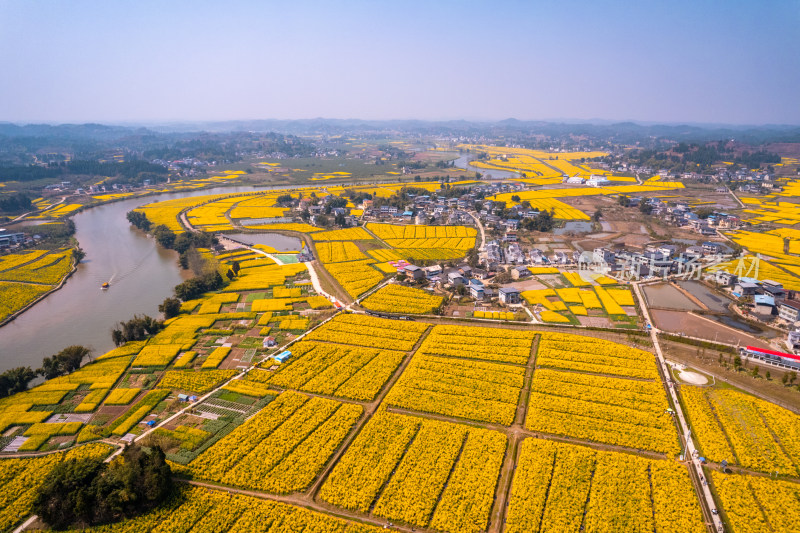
{"x": 708, "y": 63}
{"x": 565, "y": 121}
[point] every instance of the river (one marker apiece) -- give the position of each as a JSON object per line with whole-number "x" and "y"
{"x": 141, "y": 274}
{"x": 463, "y": 162}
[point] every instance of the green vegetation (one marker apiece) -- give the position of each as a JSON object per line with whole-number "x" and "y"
{"x": 87, "y": 492}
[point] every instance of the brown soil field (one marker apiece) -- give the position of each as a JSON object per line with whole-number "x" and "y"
{"x": 784, "y": 149}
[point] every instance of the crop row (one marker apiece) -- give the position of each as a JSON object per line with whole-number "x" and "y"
{"x": 454, "y": 391}
{"x": 336, "y": 370}
{"x": 493, "y": 344}
{"x": 216, "y": 357}
{"x": 132, "y": 416}
{"x": 201, "y": 510}
{"x": 21, "y": 478}
{"x": 338, "y": 252}
{"x": 400, "y": 299}
{"x": 586, "y": 354}
{"x": 15, "y": 296}
{"x": 282, "y": 448}
{"x": 602, "y": 409}
{"x": 733, "y": 426}
{"x": 194, "y": 381}
{"x": 395, "y": 231}
{"x": 355, "y": 277}
{"x": 49, "y": 269}
{"x": 757, "y": 504}
{"x": 370, "y": 332}
{"x": 264, "y": 277}
{"x": 347, "y": 234}
{"x": 157, "y": 354}
{"x": 563, "y": 487}
{"x": 421, "y": 472}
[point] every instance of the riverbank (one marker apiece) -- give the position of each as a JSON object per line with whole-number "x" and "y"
{"x": 44, "y": 295}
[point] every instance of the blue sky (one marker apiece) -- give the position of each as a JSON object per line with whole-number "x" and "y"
{"x": 696, "y": 61}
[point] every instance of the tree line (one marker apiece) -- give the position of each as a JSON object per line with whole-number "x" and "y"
{"x": 127, "y": 170}
{"x": 64, "y": 362}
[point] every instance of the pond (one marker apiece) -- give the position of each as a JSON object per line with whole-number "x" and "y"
{"x": 715, "y": 302}
{"x": 741, "y": 325}
{"x": 463, "y": 162}
{"x": 282, "y": 243}
{"x": 574, "y": 226}
{"x": 665, "y": 296}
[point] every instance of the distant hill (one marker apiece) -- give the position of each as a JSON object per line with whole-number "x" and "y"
{"x": 620, "y": 132}
{"x": 96, "y": 132}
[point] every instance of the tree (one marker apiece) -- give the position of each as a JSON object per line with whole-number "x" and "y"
{"x": 472, "y": 257}
{"x": 338, "y": 202}
{"x": 15, "y": 380}
{"x": 785, "y": 379}
{"x": 190, "y": 239}
{"x": 284, "y": 199}
{"x": 64, "y": 362}
{"x": 755, "y": 371}
{"x": 87, "y": 492}
{"x": 515, "y": 198}
{"x": 139, "y": 220}
{"x": 767, "y": 375}
{"x": 195, "y": 287}
{"x": 136, "y": 329}
{"x": 792, "y": 376}
{"x": 543, "y": 221}
{"x": 236, "y": 266}
{"x": 15, "y": 203}
{"x": 623, "y": 200}
{"x": 66, "y": 496}
{"x": 170, "y": 307}
{"x": 502, "y": 277}
{"x": 597, "y": 215}
{"x": 164, "y": 236}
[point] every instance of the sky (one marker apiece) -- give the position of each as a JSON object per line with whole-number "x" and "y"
{"x": 682, "y": 61}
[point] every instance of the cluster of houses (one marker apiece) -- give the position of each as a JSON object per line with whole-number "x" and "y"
{"x": 13, "y": 241}
{"x": 513, "y": 254}
{"x": 758, "y": 181}
{"x": 655, "y": 260}
{"x": 473, "y": 279}
{"x": 438, "y": 209}
{"x": 439, "y": 213}
{"x": 681, "y": 215}
{"x": 591, "y": 181}
{"x": 770, "y": 299}
{"x": 67, "y": 187}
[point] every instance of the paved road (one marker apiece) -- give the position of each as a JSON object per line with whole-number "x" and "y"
{"x": 480, "y": 227}
{"x": 687, "y": 436}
